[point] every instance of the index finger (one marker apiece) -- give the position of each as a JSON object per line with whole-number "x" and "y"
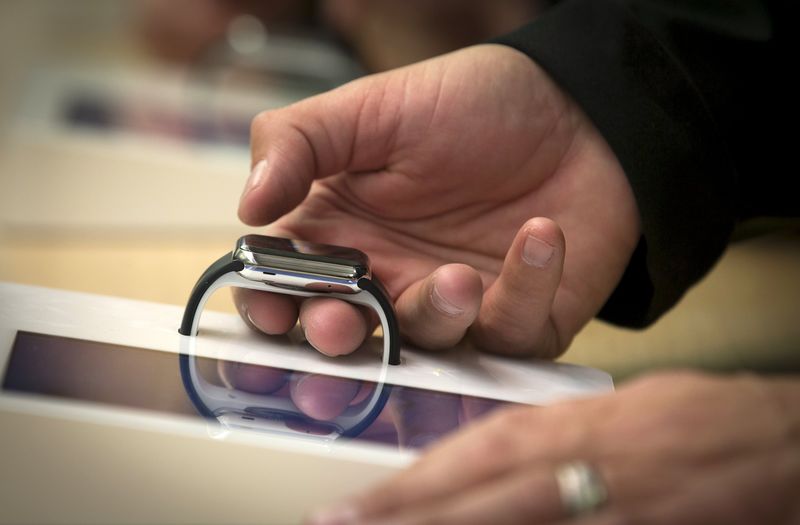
{"x": 315, "y": 138}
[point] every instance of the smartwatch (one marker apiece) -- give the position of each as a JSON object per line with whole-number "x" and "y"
{"x": 300, "y": 268}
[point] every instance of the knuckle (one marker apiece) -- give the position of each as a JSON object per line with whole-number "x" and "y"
{"x": 529, "y": 490}
{"x": 495, "y": 437}
{"x": 487, "y": 447}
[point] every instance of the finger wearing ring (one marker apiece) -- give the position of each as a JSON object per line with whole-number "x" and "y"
{"x": 581, "y": 488}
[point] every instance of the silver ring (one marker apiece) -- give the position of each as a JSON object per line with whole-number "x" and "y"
{"x": 581, "y": 488}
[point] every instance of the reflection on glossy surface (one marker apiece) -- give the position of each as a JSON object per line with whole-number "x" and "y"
{"x": 238, "y": 395}
{"x": 281, "y": 401}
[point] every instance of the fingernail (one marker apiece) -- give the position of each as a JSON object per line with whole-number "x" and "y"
{"x": 336, "y": 515}
{"x": 442, "y": 304}
{"x": 536, "y": 252}
{"x": 256, "y": 177}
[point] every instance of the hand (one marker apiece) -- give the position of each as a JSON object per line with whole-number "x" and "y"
{"x": 462, "y": 177}
{"x": 675, "y": 448}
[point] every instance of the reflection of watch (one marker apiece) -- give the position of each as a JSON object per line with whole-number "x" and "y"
{"x": 300, "y": 268}
{"x": 277, "y": 414}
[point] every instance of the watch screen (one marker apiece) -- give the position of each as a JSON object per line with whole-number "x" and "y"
{"x": 265, "y": 245}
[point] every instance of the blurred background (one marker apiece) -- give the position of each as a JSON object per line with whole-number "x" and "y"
{"x": 124, "y": 147}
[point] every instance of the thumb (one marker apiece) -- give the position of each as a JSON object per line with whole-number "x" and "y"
{"x": 312, "y": 139}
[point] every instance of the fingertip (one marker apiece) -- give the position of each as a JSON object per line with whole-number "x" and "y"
{"x": 247, "y": 215}
{"x": 323, "y": 397}
{"x": 435, "y": 312}
{"x": 270, "y": 313}
{"x": 284, "y": 164}
{"x": 251, "y": 378}
{"x": 456, "y": 290}
{"x": 254, "y": 181}
{"x": 269, "y": 194}
{"x": 246, "y": 212}
{"x": 543, "y": 240}
{"x": 332, "y": 326}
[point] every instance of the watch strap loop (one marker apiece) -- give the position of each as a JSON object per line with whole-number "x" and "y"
{"x": 375, "y": 288}
{"x": 221, "y": 266}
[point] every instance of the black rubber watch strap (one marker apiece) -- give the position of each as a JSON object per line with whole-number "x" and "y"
{"x": 375, "y": 288}
{"x": 222, "y": 266}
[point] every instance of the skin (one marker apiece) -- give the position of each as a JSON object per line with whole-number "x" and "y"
{"x": 671, "y": 448}
{"x": 464, "y": 178}
{"x": 416, "y": 418}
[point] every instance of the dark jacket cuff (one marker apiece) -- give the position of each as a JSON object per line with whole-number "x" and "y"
{"x": 644, "y": 104}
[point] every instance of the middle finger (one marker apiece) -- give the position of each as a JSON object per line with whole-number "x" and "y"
{"x": 332, "y": 326}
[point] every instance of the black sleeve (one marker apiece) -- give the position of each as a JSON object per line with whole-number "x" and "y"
{"x": 693, "y": 96}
